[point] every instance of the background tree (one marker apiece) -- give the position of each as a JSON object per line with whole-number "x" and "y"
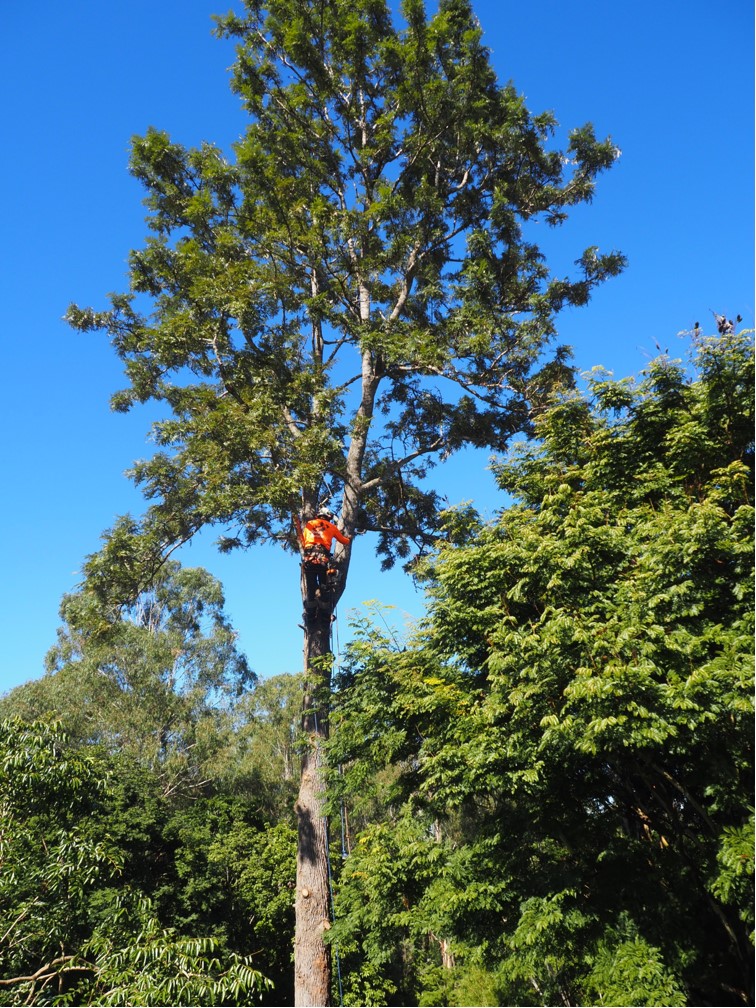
{"x": 564, "y": 753}
{"x": 76, "y": 926}
{"x": 266, "y": 740}
{"x": 157, "y": 679}
{"x": 260, "y": 866}
{"x": 351, "y": 300}
{"x": 152, "y": 698}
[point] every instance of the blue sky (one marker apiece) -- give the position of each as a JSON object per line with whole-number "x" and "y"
{"x": 672, "y": 83}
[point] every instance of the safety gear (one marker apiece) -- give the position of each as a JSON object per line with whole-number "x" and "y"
{"x": 326, "y": 514}
{"x": 321, "y": 532}
{"x": 316, "y": 554}
{"x": 320, "y": 570}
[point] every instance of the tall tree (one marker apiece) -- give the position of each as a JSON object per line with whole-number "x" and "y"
{"x": 349, "y": 301}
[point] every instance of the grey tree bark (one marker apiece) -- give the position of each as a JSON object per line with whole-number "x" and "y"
{"x": 312, "y": 956}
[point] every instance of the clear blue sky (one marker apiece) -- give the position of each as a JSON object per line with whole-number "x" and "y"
{"x": 671, "y": 82}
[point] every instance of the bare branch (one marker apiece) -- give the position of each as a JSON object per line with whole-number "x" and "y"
{"x": 291, "y": 423}
{"x": 347, "y": 383}
{"x": 406, "y": 283}
{"x": 49, "y": 970}
{"x": 400, "y": 463}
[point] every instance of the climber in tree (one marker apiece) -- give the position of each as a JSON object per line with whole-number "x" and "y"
{"x": 320, "y": 571}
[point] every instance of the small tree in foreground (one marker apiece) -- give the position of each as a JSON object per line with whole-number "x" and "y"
{"x": 350, "y": 300}
{"x": 563, "y": 756}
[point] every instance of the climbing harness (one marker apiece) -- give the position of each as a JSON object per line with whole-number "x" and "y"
{"x": 321, "y": 572}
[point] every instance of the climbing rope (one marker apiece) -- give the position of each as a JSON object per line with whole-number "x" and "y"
{"x": 331, "y": 900}
{"x": 342, "y": 807}
{"x": 336, "y": 955}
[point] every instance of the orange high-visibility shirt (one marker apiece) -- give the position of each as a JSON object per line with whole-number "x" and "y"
{"x": 319, "y": 532}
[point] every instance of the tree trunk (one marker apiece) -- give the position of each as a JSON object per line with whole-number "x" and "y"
{"x": 312, "y": 957}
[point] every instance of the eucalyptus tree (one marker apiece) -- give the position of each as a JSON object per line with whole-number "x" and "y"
{"x": 156, "y": 679}
{"x": 350, "y": 299}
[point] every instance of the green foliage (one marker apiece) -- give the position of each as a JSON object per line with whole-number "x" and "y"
{"x": 545, "y": 796}
{"x": 628, "y": 970}
{"x": 50, "y": 857}
{"x": 76, "y": 929}
{"x": 140, "y": 962}
{"x": 475, "y": 987}
{"x": 563, "y": 753}
{"x": 170, "y": 849}
{"x": 156, "y": 680}
{"x": 354, "y": 294}
{"x": 183, "y": 766}
{"x": 734, "y": 883}
{"x": 260, "y": 866}
{"x": 266, "y": 739}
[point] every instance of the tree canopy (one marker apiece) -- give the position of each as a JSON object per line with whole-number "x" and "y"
{"x": 352, "y": 297}
{"x": 157, "y": 678}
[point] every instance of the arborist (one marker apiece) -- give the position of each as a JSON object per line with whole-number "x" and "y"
{"x": 319, "y": 568}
